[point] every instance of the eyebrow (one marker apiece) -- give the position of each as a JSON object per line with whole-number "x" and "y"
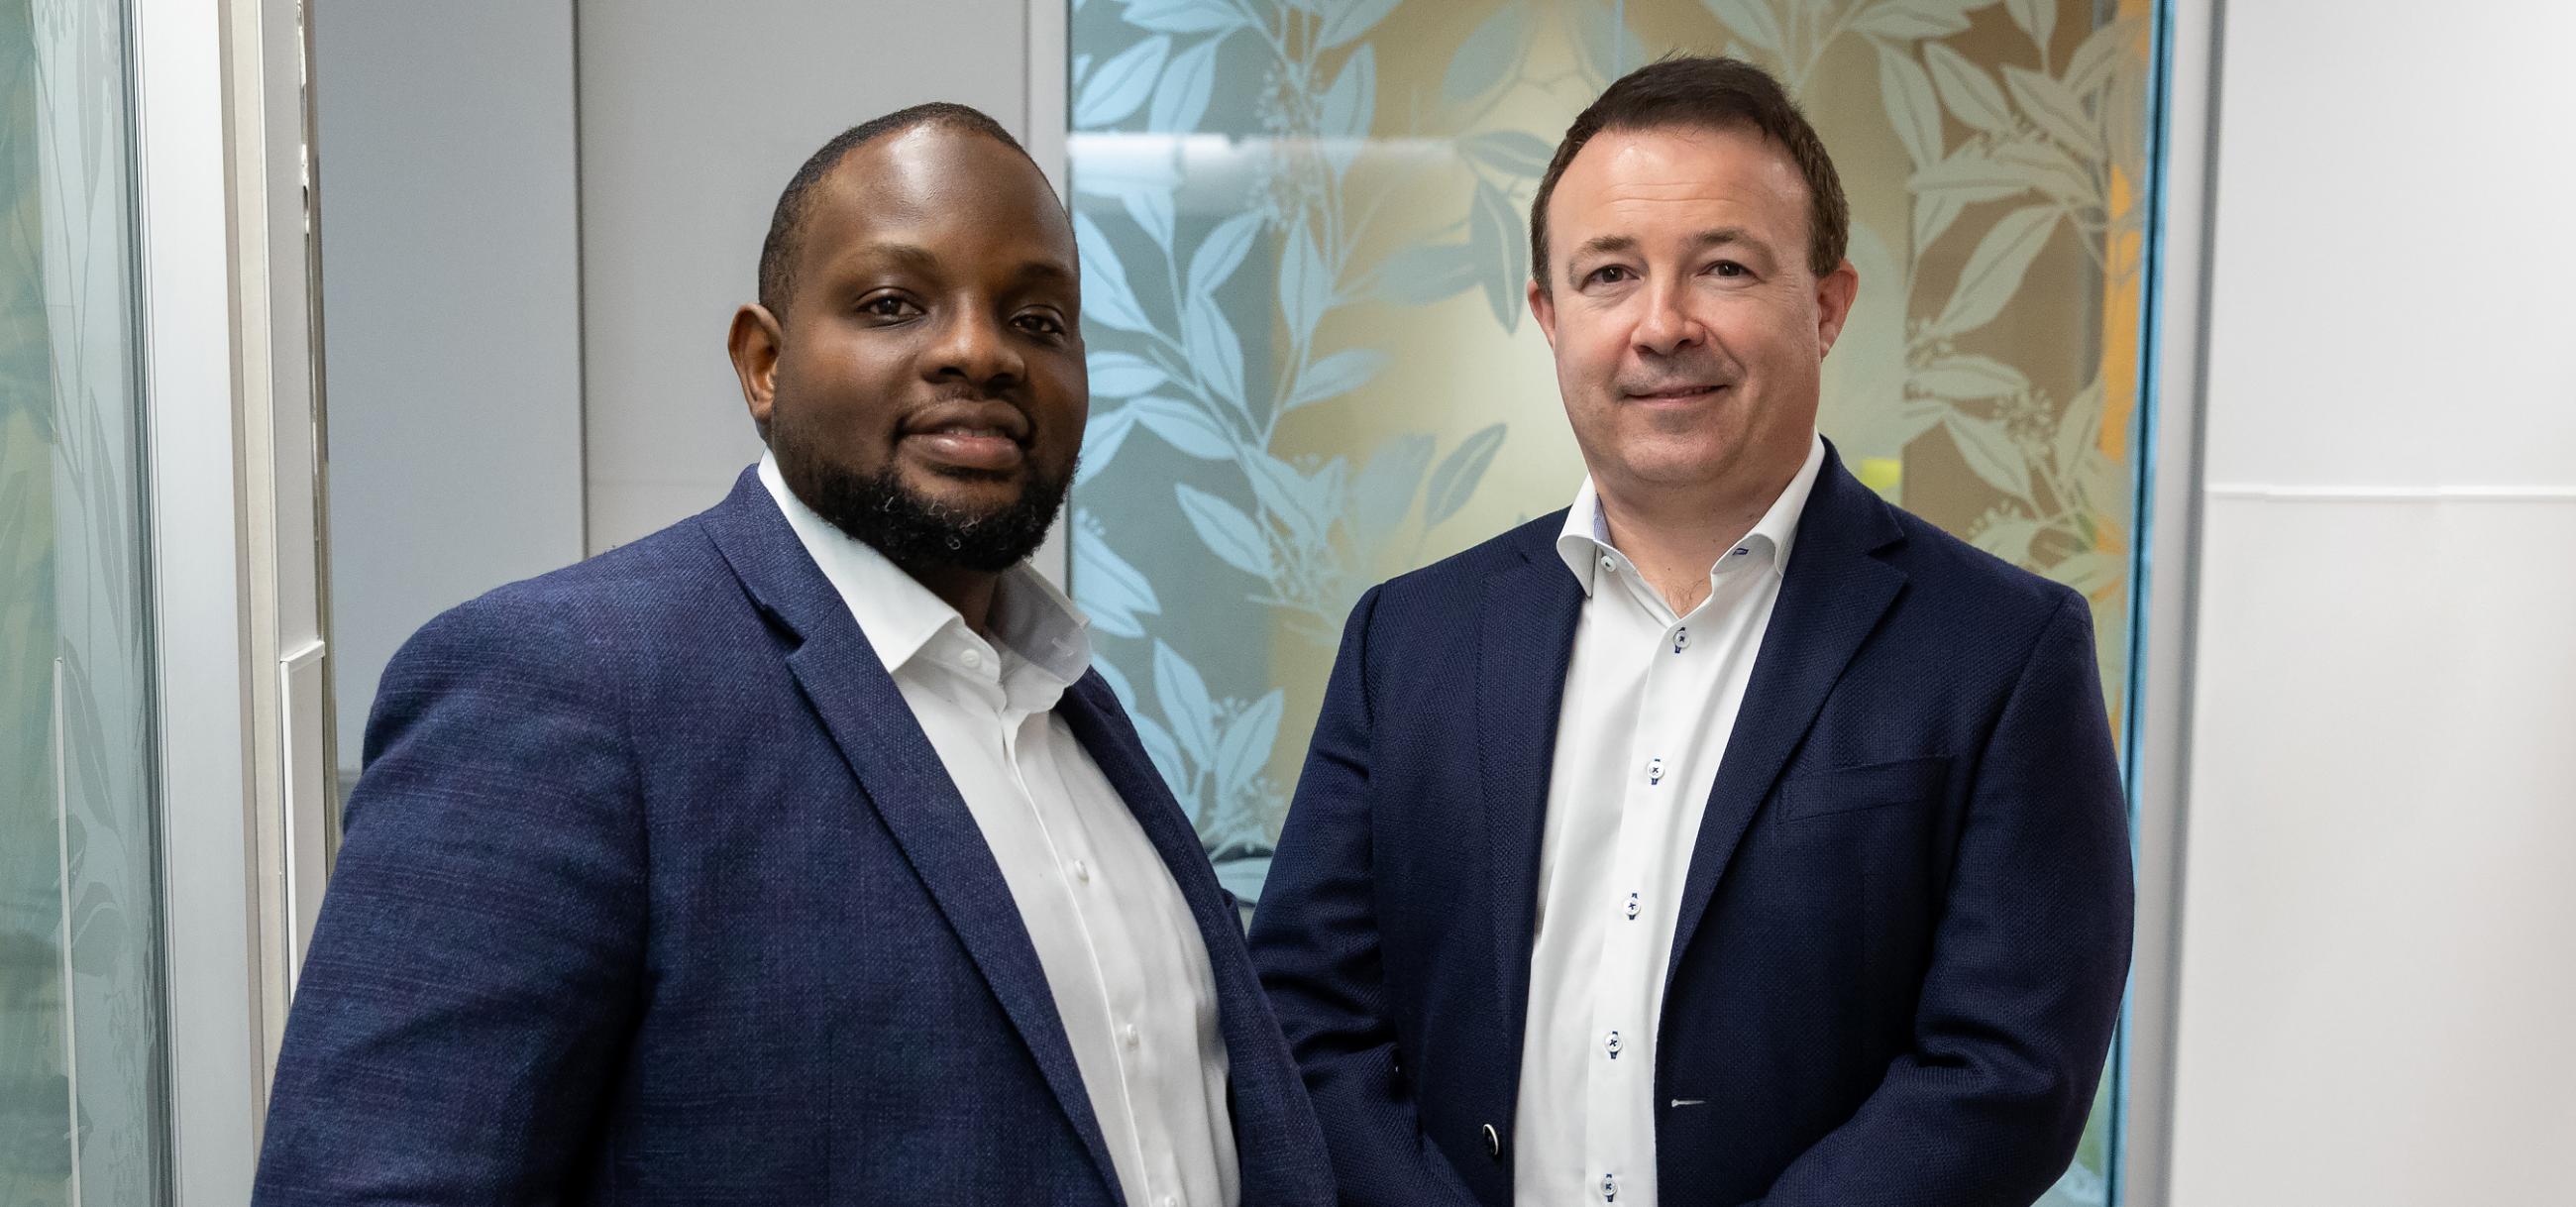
{"x": 1717, "y": 236}
{"x": 916, "y": 258}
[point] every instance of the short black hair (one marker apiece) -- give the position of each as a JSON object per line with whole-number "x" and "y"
{"x": 786, "y": 238}
{"x": 1707, "y": 92}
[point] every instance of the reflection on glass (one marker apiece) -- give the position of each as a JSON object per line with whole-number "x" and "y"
{"x": 80, "y": 1027}
{"x": 1304, "y": 236}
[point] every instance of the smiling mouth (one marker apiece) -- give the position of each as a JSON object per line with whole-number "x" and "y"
{"x": 967, "y": 446}
{"x": 1680, "y": 393}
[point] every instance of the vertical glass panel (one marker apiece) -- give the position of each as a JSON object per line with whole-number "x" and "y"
{"x": 1304, "y": 227}
{"x": 80, "y": 1028}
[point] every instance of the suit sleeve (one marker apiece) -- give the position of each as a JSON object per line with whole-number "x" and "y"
{"x": 474, "y": 973}
{"x": 2028, "y": 966}
{"x": 1315, "y": 941}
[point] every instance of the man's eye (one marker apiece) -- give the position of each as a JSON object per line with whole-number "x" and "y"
{"x": 1729, "y": 268}
{"x": 886, "y": 306}
{"x": 1608, "y": 274}
{"x": 1042, "y": 324}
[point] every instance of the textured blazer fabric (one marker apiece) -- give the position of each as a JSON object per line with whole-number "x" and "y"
{"x": 1905, "y": 929}
{"x": 654, "y": 892}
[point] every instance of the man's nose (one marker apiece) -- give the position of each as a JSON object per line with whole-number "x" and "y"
{"x": 1667, "y": 326}
{"x": 974, "y": 346}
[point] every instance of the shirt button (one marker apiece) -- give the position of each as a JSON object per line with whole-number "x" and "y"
{"x": 1611, "y": 1045}
{"x": 1081, "y": 872}
{"x": 1654, "y": 771}
{"x": 1742, "y": 552}
{"x": 971, "y": 659}
{"x": 1681, "y": 639}
{"x": 1607, "y": 564}
{"x": 1130, "y": 1037}
{"x": 1632, "y": 907}
{"x": 1609, "y": 1188}
{"x": 1171, "y": 1201}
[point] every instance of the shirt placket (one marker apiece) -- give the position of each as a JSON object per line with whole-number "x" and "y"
{"x": 1618, "y": 1128}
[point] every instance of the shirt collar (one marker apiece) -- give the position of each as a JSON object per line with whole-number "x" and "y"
{"x": 1584, "y": 543}
{"x": 901, "y": 618}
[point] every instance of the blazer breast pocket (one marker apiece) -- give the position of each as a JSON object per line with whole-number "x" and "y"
{"x": 1867, "y": 786}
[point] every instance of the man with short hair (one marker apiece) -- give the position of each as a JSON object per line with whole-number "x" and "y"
{"x": 794, "y": 854}
{"x": 1731, "y": 836}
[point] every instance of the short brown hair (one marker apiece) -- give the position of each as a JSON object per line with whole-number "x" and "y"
{"x": 1708, "y": 93}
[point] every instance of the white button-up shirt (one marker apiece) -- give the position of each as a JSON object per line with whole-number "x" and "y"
{"x": 1650, "y": 699}
{"x": 1125, "y": 963}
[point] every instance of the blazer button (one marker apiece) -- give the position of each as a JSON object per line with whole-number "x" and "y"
{"x": 1493, "y": 1142}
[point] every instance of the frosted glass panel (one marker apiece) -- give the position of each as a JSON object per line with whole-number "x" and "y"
{"x": 80, "y": 1027}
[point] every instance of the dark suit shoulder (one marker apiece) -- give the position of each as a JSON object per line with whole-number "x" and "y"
{"x": 654, "y": 587}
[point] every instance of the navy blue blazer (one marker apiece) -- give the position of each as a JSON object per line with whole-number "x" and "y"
{"x": 1905, "y": 927}
{"x": 655, "y": 892}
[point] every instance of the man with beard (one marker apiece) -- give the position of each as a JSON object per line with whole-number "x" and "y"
{"x": 1731, "y": 836}
{"x": 793, "y": 854}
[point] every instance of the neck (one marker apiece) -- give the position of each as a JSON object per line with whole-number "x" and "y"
{"x": 1674, "y": 538}
{"x": 968, "y": 591}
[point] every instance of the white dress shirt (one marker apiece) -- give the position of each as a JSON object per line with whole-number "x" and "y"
{"x": 1650, "y": 699}
{"x": 1125, "y": 963}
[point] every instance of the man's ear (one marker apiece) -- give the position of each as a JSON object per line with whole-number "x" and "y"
{"x": 1834, "y": 296}
{"x": 754, "y": 343}
{"x": 1543, "y": 308}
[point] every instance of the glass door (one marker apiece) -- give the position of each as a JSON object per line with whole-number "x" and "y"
{"x": 82, "y": 1090}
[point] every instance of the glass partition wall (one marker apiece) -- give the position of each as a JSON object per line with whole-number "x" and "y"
{"x": 1304, "y": 234}
{"x": 81, "y": 1086}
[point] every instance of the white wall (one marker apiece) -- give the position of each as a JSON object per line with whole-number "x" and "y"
{"x": 693, "y": 116}
{"x": 451, "y": 312}
{"x": 2377, "y": 982}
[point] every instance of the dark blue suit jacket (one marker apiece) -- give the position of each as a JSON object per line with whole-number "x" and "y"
{"x": 655, "y": 892}
{"x": 1905, "y": 927}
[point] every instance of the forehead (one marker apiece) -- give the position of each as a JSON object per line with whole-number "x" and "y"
{"x": 1625, "y": 178}
{"x": 966, "y": 198}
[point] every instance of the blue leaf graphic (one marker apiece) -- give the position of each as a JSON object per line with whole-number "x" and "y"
{"x": 1336, "y": 375}
{"x": 1348, "y": 108}
{"x": 1227, "y": 532}
{"x": 1184, "y": 427}
{"x": 1123, "y": 375}
{"x": 1455, "y": 481}
{"x": 1382, "y": 493}
{"x": 1100, "y": 441}
{"x": 1105, "y": 295}
{"x": 1182, "y": 98}
{"x": 1298, "y": 501}
{"x": 1247, "y": 743}
{"x": 1494, "y": 230}
{"x": 1121, "y": 85}
{"x": 1184, "y": 697}
{"x": 1305, "y": 285}
{"x": 1213, "y": 349}
{"x": 1113, "y": 592}
{"x": 1151, "y": 209}
{"x": 1222, "y": 252}
{"x": 1166, "y": 753}
{"x": 1425, "y": 273}
{"x": 1489, "y": 58}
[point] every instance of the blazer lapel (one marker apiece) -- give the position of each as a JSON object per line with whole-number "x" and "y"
{"x": 1830, "y": 601}
{"x": 1257, "y": 1061}
{"x": 1526, "y": 641}
{"x": 884, "y": 745}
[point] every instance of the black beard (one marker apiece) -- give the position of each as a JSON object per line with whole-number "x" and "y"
{"x": 914, "y": 532}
